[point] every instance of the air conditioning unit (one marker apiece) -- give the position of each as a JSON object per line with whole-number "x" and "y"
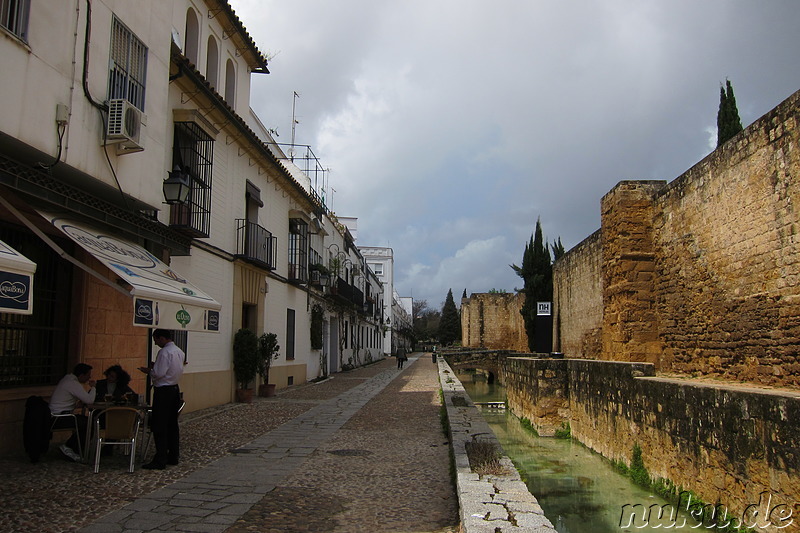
{"x": 124, "y": 126}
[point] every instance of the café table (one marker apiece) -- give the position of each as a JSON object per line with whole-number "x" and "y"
{"x": 96, "y": 409}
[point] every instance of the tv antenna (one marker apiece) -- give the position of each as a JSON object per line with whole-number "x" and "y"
{"x": 294, "y": 123}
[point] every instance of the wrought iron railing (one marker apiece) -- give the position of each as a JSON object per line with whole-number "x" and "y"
{"x": 255, "y": 244}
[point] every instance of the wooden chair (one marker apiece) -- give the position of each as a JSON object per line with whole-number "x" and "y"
{"x": 122, "y": 427}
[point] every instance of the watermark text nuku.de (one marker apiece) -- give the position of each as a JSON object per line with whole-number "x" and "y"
{"x": 696, "y": 514}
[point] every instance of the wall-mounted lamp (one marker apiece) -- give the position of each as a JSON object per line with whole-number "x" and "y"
{"x": 176, "y": 186}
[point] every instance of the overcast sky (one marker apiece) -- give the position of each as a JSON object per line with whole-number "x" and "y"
{"x": 450, "y": 126}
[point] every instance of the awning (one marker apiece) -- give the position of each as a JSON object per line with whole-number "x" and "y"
{"x": 16, "y": 281}
{"x": 161, "y": 297}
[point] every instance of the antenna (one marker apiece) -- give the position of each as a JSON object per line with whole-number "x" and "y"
{"x": 294, "y": 122}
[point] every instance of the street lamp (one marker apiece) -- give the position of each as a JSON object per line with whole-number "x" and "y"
{"x": 176, "y": 187}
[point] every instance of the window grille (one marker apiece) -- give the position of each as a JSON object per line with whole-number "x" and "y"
{"x": 193, "y": 151}
{"x": 14, "y": 17}
{"x": 298, "y": 250}
{"x": 33, "y": 348}
{"x": 128, "y": 65}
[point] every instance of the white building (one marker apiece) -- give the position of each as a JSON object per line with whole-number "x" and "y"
{"x": 101, "y": 102}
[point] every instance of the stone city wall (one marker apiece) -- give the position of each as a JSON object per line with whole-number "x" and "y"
{"x": 700, "y": 276}
{"x": 492, "y": 320}
{"x": 727, "y": 444}
{"x": 578, "y": 299}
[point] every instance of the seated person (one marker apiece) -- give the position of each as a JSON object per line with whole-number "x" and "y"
{"x": 115, "y": 384}
{"x": 69, "y": 391}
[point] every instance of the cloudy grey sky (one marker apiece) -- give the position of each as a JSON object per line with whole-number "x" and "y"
{"x": 449, "y": 126}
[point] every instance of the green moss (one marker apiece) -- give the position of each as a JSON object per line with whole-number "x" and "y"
{"x": 564, "y": 432}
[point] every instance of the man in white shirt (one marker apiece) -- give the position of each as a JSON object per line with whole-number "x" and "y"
{"x": 165, "y": 374}
{"x": 69, "y": 391}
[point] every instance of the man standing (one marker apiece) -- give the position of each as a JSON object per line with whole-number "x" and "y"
{"x": 401, "y": 356}
{"x": 165, "y": 373}
{"x": 70, "y": 390}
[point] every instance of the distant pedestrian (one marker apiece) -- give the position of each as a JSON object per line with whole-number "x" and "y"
{"x": 401, "y": 356}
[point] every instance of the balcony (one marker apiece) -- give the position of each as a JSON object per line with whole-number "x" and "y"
{"x": 255, "y": 244}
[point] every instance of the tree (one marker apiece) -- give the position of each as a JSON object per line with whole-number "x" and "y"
{"x": 537, "y": 274}
{"x": 728, "y": 122}
{"x": 450, "y": 323}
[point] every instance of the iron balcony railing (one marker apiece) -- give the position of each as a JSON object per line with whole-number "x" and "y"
{"x": 255, "y": 244}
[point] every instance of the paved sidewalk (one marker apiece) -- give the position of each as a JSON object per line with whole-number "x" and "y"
{"x": 372, "y": 458}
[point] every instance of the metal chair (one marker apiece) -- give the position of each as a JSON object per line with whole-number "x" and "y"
{"x": 63, "y": 416}
{"x": 122, "y": 427}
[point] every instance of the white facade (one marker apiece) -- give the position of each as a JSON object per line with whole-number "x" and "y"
{"x": 91, "y": 134}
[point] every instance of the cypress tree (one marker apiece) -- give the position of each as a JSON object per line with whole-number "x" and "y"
{"x": 728, "y": 121}
{"x": 450, "y": 323}
{"x": 537, "y": 274}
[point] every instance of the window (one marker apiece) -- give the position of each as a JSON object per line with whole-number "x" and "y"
{"x": 34, "y": 348}
{"x": 14, "y": 17}
{"x": 193, "y": 151}
{"x": 192, "y": 36}
{"x": 230, "y": 83}
{"x": 290, "y": 334}
{"x": 212, "y": 62}
{"x": 298, "y": 250}
{"x": 377, "y": 268}
{"x": 128, "y": 66}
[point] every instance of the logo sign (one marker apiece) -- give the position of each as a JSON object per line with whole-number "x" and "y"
{"x": 183, "y": 317}
{"x": 143, "y": 312}
{"x": 212, "y": 323}
{"x": 109, "y": 248}
{"x": 14, "y": 291}
{"x": 543, "y": 308}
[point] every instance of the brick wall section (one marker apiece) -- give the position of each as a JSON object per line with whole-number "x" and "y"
{"x": 538, "y": 390}
{"x": 493, "y": 321}
{"x": 630, "y": 328}
{"x": 728, "y": 257}
{"x": 700, "y": 276}
{"x": 726, "y": 444}
{"x": 109, "y": 336}
{"x": 578, "y": 300}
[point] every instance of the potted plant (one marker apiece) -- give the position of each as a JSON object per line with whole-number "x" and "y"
{"x": 245, "y": 363}
{"x": 267, "y": 351}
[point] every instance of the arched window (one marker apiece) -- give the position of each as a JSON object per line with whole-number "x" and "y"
{"x": 230, "y": 83}
{"x": 192, "y": 36}
{"x": 212, "y": 61}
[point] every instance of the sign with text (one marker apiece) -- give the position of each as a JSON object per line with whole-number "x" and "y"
{"x": 543, "y": 308}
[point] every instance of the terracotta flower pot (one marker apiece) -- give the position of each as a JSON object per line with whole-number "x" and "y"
{"x": 244, "y": 395}
{"x": 266, "y": 390}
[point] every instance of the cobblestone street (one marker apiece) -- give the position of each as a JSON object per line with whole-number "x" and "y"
{"x": 384, "y": 466}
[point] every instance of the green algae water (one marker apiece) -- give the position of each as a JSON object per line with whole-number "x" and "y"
{"x": 578, "y": 490}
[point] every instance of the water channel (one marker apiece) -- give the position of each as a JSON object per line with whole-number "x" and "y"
{"x": 579, "y": 491}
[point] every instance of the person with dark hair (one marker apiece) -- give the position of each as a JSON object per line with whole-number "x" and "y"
{"x": 165, "y": 374}
{"x": 69, "y": 391}
{"x": 116, "y": 383}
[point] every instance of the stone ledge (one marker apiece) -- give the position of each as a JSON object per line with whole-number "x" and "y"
{"x": 493, "y": 504}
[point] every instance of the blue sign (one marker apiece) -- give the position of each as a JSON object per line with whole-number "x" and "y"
{"x": 15, "y": 291}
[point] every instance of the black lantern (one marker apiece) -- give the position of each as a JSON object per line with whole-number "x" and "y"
{"x": 176, "y": 186}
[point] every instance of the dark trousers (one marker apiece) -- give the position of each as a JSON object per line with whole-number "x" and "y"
{"x": 400, "y": 362}
{"x": 164, "y": 424}
{"x": 80, "y": 436}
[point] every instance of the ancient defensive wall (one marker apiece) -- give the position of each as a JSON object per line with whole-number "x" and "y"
{"x": 700, "y": 276}
{"x": 732, "y": 445}
{"x": 492, "y": 320}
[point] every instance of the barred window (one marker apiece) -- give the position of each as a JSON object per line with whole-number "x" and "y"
{"x": 298, "y": 250}
{"x": 128, "y": 65}
{"x": 14, "y": 17}
{"x": 193, "y": 151}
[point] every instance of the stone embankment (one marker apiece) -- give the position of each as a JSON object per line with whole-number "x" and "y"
{"x": 487, "y": 503}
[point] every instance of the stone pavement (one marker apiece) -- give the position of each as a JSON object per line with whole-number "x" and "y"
{"x": 367, "y": 453}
